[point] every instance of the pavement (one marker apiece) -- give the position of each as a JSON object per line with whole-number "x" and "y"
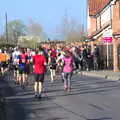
{"x": 106, "y": 74}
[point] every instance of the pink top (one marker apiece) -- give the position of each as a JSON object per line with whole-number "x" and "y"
{"x": 68, "y": 67}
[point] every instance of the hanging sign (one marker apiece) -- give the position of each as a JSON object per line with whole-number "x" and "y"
{"x": 107, "y": 36}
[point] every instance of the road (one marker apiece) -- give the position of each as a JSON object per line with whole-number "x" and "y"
{"x": 90, "y": 99}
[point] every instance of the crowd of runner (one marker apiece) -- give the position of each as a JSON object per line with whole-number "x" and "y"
{"x": 61, "y": 61}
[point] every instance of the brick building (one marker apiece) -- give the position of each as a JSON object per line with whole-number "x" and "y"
{"x": 104, "y": 18}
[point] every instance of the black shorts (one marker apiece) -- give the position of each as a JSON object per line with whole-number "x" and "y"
{"x": 0, "y": 64}
{"x": 15, "y": 67}
{"x": 4, "y": 64}
{"x": 39, "y": 77}
{"x": 27, "y": 68}
{"x": 22, "y": 70}
{"x": 53, "y": 67}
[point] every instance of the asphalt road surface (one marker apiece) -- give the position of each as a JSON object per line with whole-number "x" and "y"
{"x": 90, "y": 99}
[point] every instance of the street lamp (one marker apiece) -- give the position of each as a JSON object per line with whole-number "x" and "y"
{"x": 6, "y": 19}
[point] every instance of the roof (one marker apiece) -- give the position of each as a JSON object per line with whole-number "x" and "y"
{"x": 95, "y": 6}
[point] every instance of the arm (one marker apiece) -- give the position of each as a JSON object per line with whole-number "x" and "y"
{"x": 49, "y": 60}
{"x": 33, "y": 60}
{"x": 45, "y": 61}
{"x": 18, "y": 59}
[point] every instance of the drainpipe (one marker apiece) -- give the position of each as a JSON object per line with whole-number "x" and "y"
{"x": 119, "y": 9}
{"x": 111, "y": 14}
{"x": 115, "y": 45}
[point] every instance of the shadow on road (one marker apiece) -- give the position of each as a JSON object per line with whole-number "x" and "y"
{"x": 80, "y": 86}
{"x": 104, "y": 118}
{"x": 12, "y": 110}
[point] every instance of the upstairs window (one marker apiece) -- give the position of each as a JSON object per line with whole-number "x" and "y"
{"x": 106, "y": 16}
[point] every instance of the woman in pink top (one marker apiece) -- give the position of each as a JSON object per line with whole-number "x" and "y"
{"x": 68, "y": 70}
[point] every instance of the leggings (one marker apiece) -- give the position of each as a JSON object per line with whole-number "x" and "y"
{"x": 67, "y": 79}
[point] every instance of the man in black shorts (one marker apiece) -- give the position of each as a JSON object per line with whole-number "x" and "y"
{"x": 22, "y": 68}
{"x": 39, "y": 62}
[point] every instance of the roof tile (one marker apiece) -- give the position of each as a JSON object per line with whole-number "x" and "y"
{"x": 96, "y": 6}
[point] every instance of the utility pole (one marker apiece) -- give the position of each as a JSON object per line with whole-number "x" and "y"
{"x": 6, "y": 22}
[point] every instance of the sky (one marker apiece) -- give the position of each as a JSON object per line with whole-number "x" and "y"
{"x": 49, "y": 13}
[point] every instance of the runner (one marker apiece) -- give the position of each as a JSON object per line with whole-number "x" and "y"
{"x": 7, "y": 60}
{"x": 52, "y": 66}
{"x": 28, "y": 64}
{"x": 4, "y": 58}
{"x": 39, "y": 62}
{"x": 68, "y": 70}
{"x": 22, "y": 61}
{"x": 15, "y": 55}
{"x": 59, "y": 62}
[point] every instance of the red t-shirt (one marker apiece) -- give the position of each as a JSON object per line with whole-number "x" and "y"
{"x": 53, "y": 53}
{"x": 39, "y": 67}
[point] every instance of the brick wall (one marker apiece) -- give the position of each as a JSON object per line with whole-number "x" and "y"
{"x": 116, "y": 18}
{"x": 92, "y": 25}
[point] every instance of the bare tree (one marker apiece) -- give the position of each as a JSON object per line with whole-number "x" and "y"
{"x": 71, "y": 30}
{"x": 35, "y": 29}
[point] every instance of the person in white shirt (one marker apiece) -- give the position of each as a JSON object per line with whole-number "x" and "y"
{"x": 15, "y": 55}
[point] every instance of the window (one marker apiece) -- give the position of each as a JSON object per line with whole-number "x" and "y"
{"x": 105, "y": 16}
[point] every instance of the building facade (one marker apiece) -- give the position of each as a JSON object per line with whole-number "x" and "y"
{"x": 104, "y": 21}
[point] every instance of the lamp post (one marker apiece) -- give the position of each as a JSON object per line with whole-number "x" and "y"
{"x": 6, "y": 20}
{"x": 49, "y": 41}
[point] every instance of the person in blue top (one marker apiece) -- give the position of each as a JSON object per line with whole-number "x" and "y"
{"x": 22, "y": 58}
